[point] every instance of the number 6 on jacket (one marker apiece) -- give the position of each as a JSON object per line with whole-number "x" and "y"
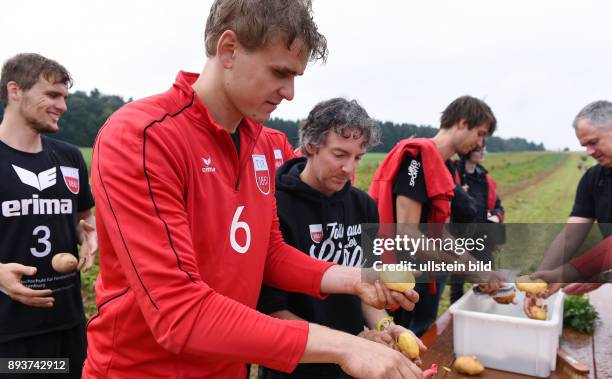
{"x": 236, "y": 225}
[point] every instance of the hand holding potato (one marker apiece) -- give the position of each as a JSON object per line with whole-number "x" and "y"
{"x": 382, "y": 337}
{"x": 379, "y": 296}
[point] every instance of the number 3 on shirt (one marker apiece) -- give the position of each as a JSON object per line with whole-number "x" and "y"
{"x": 43, "y": 240}
{"x": 237, "y": 225}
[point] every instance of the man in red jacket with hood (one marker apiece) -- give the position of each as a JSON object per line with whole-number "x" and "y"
{"x": 187, "y": 219}
{"x": 414, "y": 186}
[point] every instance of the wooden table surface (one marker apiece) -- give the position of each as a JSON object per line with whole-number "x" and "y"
{"x": 594, "y": 351}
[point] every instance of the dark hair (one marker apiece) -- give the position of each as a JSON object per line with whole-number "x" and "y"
{"x": 27, "y": 68}
{"x": 257, "y": 22}
{"x": 598, "y": 113}
{"x": 347, "y": 118}
{"x": 474, "y": 111}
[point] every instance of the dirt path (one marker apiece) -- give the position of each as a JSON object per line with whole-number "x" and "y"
{"x": 512, "y": 190}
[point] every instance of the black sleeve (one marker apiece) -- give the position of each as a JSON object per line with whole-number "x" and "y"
{"x": 273, "y": 299}
{"x": 584, "y": 204}
{"x": 372, "y": 210}
{"x": 463, "y": 206}
{"x": 499, "y": 210}
{"x": 410, "y": 180}
{"x": 85, "y": 198}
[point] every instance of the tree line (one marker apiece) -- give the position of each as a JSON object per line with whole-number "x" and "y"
{"x": 87, "y": 112}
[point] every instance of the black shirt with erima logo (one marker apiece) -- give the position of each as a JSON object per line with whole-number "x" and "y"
{"x": 40, "y": 197}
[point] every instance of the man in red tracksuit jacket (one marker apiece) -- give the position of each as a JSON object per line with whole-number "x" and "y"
{"x": 187, "y": 220}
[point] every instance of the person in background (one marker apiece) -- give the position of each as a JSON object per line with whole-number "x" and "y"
{"x": 560, "y": 267}
{"x": 413, "y": 185}
{"x": 46, "y": 210}
{"x": 482, "y": 190}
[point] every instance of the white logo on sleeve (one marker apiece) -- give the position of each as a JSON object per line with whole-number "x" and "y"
{"x": 262, "y": 175}
{"x": 413, "y": 171}
{"x": 41, "y": 181}
{"x": 278, "y": 158}
{"x": 71, "y": 178}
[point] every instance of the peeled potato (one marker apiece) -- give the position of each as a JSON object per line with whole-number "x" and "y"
{"x": 469, "y": 365}
{"x": 407, "y": 344}
{"x": 526, "y": 284}
{"x": 64, "y": 262}
{"x": 538, "y": 313}
{"x": 398, "y": 280}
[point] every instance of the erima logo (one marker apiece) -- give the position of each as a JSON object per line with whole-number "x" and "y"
{"x": 207, "y": 165}
{"x": 44, "y": 180}
{"x": 36, "y": 206}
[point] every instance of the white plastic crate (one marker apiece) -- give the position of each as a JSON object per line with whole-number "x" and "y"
{"x": 503, "y": 338}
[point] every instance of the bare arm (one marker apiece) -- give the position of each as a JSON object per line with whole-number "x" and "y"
{"x": 354, "y": 281}
{"x": 88, "y": 239}
{"x": 566, "y": 243}
{"x": 358, "y": 357}
{"x": 408, "y": 216}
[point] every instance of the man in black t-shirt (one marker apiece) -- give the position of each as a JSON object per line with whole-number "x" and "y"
{"x": 593, "y": 202}
{"x": 46, "y": 207}
{"x": 423, "y": 176}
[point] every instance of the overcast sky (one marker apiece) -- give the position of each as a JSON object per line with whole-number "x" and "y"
{"x": 536, "y": 63}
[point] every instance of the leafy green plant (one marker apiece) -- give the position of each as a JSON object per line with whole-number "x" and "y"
{"x": 579, "y": 314}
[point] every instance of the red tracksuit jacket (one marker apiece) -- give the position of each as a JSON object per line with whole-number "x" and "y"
{"x": 188, "y": 232}
{"x": 281, "y": 148}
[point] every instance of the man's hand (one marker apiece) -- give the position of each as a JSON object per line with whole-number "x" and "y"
{"x": 396, "y": 330}
{"x": 488, "y": 282}
{"x": 379, "y": 296}
{"x": 581, "y": 288}
{"x": 10, "y": 283}
{"x": 555, "y": 279}
{"x": 366, "y": 359}
{"x": 384, "y": 337}
{"x": 89, "y": 245}
{"x": 494, "y": 218}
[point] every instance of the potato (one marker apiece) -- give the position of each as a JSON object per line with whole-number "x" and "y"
{"x": 64, "y": 262}
{"x": 398, "y": 280}
{"x": 538, "y": 312}
{"x": 407, "y": 344}
{"x": 505, "y": 298}
{"x": 469, "y": 365}
{"x": 526, "y": 284}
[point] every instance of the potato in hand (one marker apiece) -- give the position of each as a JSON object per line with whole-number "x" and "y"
{"x": 400, "y": 281}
